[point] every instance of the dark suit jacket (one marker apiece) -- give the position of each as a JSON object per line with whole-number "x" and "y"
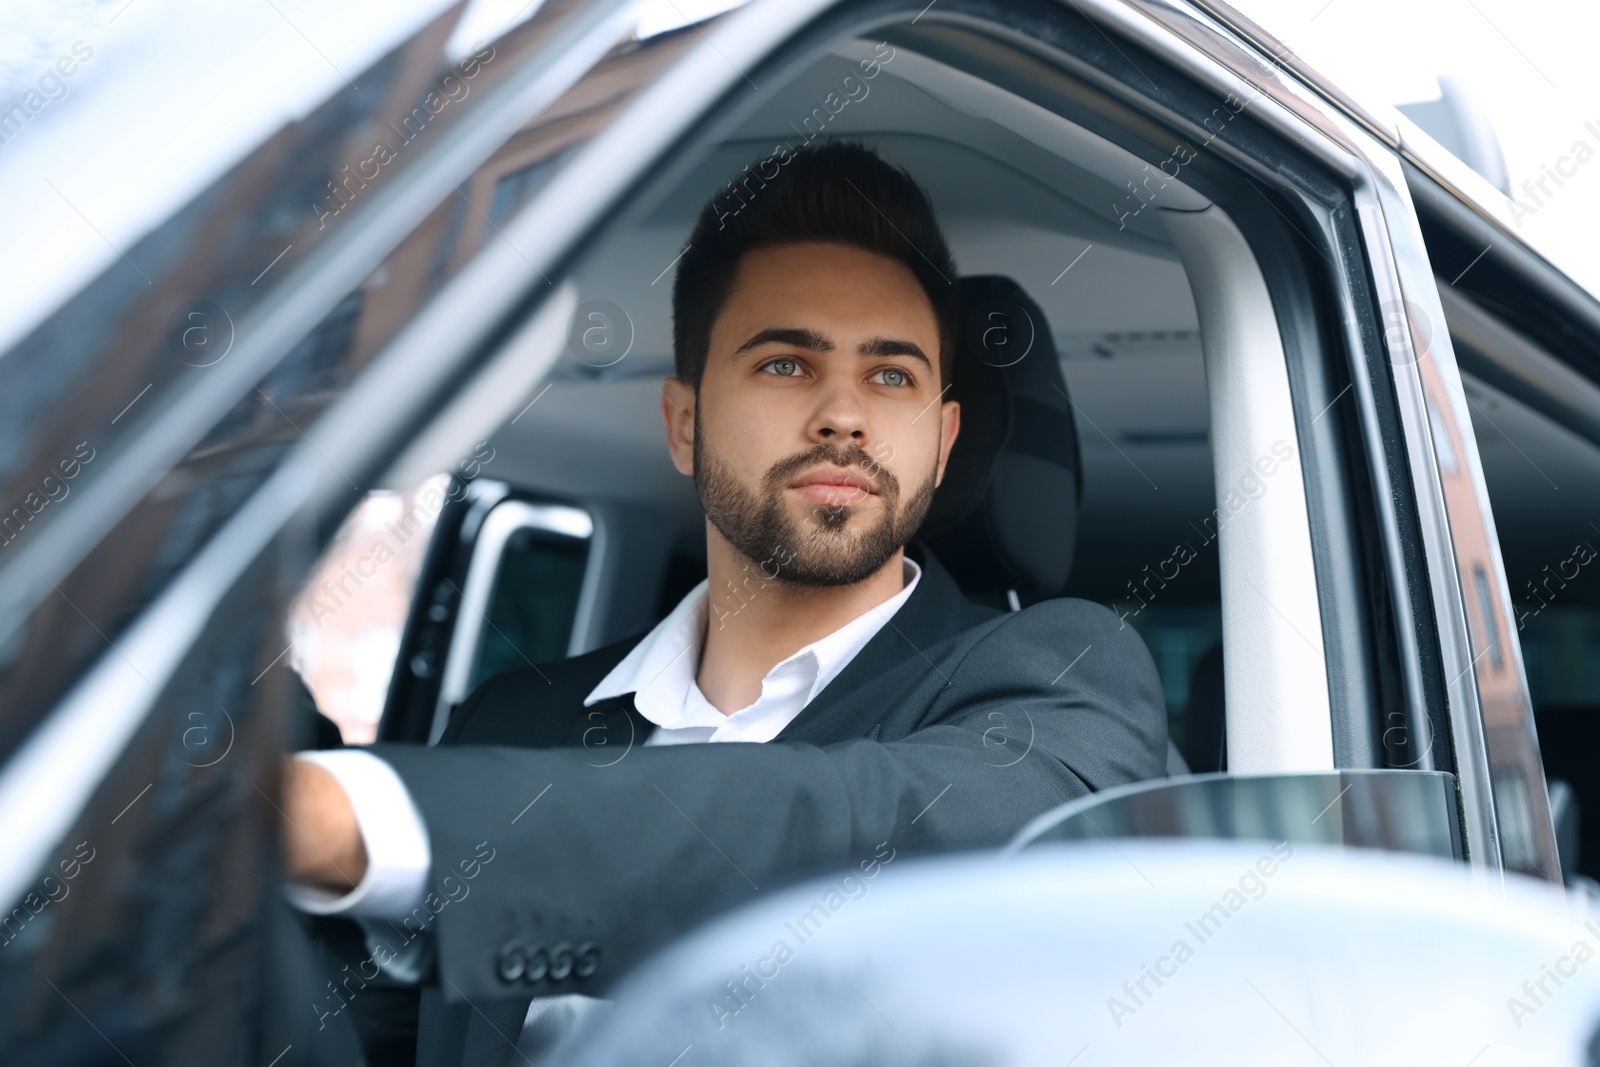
{"x": 952, "y": 728}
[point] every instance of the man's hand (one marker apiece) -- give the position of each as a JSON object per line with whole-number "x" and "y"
{"x": 322, "y": 843}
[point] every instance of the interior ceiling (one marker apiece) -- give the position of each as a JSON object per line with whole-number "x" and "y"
{"x": 1117, "y": 302}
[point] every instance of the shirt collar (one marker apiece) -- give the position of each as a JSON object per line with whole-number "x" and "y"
{"x": 660, "y": 670}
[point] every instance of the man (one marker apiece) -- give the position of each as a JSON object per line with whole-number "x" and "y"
{"x": 814, "y": 335}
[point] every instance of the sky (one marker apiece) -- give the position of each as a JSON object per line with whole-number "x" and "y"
{"x": 173, "y": 92}
{"x": 1529, "y": 64}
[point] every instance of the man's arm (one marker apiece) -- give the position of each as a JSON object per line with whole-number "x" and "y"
{"x": 323, "y": 848}
{"x": 544, "y": 862}
{"x": 354, "y": 844}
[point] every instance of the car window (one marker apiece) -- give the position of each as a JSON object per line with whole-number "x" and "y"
{"x": 345, "y": 624}
{"x": 203, "y": 379}
{"x": 175, "y": 723}
{"x": 535, "y": 599}
{"x": 514, "y": 605}
{"x": 1543, "y": 480}
{"x": 1120, "y": 319}
{"x": 1120, "y": 307}
{"x": 519, "y": 599}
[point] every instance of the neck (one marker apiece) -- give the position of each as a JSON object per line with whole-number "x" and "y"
{"x": 754, "y": 622}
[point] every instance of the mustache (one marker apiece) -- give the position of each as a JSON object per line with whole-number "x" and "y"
{"x": 882, "y": 479}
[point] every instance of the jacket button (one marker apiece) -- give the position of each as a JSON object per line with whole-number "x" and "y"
{"x": 561, "y": 961}
{"x": 538, "y": 966}
{"x": 588, "y": 960}
{"x": 511, "y": 962}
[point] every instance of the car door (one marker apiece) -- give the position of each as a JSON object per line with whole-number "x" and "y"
{"x": 1446, "y": 683}
{"x": 142, "y": 621}
{"x": 177, "y": 469}
{"x": 1529, "y": 349}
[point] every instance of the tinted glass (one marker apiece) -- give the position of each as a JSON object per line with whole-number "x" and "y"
{"x": 1544, "y": 485}
{"x": 534, "y": 604}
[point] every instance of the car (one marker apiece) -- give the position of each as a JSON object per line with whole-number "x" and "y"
{"x": 1329, "y": 409}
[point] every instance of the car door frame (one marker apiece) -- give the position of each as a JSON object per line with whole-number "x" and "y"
{"x": 449, "y": 608}
{"x": 1497, "y": 769}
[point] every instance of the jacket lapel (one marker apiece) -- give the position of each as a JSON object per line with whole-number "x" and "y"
{"x": 609, "y": 727}
{"x": 935, "y": 610}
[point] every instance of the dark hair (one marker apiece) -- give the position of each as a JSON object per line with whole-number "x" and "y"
{"x": 835, "y": 191}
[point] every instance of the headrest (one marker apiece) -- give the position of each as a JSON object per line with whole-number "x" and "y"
{"x": 1005, "y": 517}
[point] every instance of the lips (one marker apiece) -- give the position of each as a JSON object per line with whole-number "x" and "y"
{"x": 833, "y": 485}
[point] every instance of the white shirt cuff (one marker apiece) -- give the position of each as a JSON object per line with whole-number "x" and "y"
{"x": 398, "y": 856}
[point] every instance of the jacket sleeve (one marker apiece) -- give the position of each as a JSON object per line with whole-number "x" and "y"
{"x": 556, "y": 871}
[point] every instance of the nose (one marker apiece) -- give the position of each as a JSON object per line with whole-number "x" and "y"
{"x": 839, "y": 419}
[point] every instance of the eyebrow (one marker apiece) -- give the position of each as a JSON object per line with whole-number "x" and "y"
{"x": 812, "y": 341}
{"x": 799, "y": 337}
{"x": 894, "y": 346}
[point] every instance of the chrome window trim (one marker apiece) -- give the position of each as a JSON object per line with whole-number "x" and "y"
{"x": 477, "y": 588}
{"x": 1423, "y": 431}
{"x": 1416, "y": 719}
{"x": 1379, "y": 124}
{"x": 589, "y": 618}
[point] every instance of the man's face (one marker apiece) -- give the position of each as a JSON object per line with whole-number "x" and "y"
{"x": 819, "y": 432}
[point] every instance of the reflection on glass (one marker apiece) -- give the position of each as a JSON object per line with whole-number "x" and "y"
{"x": 1391, "y": 810}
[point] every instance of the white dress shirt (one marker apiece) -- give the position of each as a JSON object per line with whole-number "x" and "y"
{"x": 660, "y": 671}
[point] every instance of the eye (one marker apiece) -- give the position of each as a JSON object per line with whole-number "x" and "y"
{"x": 893, "y": 376}
{"x": 784, "y": 367}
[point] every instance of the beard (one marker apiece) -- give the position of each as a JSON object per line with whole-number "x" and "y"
{"x": 821, "y": 551}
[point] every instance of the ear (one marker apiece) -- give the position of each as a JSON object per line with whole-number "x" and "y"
{"x": 678, "y": 417}
{"x": 949, "y": 430}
